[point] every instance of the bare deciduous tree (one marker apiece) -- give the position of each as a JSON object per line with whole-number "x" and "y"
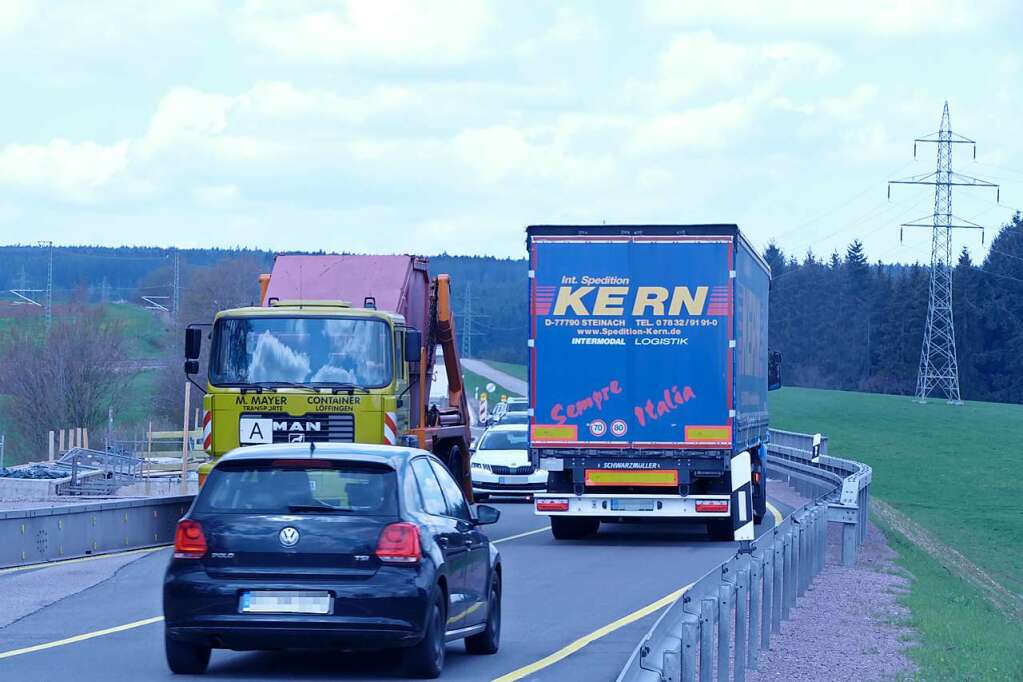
{"x": 66, "y": 377}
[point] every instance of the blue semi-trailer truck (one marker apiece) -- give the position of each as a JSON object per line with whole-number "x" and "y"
{"x": 648, "y": 375}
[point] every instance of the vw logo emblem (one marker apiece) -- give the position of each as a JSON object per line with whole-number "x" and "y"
{"x": 289, "y": 536}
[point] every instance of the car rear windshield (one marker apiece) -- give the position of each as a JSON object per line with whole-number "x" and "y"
{"x": 504, "y": 440}
{"x": 299, "y": 487}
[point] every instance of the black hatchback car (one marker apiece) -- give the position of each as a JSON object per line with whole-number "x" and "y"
{"x": 345, "y": 546}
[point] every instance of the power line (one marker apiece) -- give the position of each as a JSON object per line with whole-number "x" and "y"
{"x": 49, "y": 285}
{"x": 939, "y": 367}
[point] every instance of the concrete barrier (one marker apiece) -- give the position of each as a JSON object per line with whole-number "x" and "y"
{"x": 29, "y": 536}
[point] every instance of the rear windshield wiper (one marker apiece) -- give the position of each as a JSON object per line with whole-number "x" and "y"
{"x": 315, "y": 509}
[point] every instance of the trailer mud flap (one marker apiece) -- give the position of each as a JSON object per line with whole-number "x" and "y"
{"x": 742, "y": 497}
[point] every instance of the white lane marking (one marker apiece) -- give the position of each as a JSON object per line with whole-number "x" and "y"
{"x": 520, "y": 535}
{"x": 80, "y": 638}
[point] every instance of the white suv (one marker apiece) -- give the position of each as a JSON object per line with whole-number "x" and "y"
{"x": 500, "y": 464}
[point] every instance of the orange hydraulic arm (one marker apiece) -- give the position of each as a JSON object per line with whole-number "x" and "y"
{"x": 446, "y": 339}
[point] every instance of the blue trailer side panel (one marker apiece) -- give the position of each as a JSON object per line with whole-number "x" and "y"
{"x": 631, "y": 342}
{"x": 752, "y": 287}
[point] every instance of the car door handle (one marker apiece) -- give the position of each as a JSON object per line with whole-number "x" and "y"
{"x": 468, "y": 542}
{"x": 442, "y": 541}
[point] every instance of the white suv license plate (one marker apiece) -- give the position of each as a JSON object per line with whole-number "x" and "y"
{"x": 267, "y": 601}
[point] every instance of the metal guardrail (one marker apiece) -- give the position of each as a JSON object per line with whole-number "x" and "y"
{"x": 719, "y": 624}
{"x": 32, "y": 536}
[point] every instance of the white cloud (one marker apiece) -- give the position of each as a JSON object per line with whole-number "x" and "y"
{"x": 885, "y": 17}
{"x": 216, "y": 195}
{"x": 68, "y": 170}
{"x": 413, "y": 32}
{"x": 700, "y": 61}
{"x": 13, "y": 15}
{"x": 702, "y": 128}
{"x": 502, "y": 153}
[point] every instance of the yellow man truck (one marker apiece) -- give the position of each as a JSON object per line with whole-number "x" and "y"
{"x": 341, "y": 349}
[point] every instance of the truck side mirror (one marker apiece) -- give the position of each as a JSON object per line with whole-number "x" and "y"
{"x": 773, "y": 370}
{"x": 191, "y": 367}
{"x": 193, "y": 343}
{"x": 413, "y": 345}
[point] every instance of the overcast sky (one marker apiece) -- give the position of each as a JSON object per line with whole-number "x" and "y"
{"x": 423, "y": 127}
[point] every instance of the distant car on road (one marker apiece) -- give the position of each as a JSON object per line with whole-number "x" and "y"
{"x": 512, "y": 418}
{"x": 500, "y": 464}
{"x": 518, "y": 404}
{"x": 345, "y": 546}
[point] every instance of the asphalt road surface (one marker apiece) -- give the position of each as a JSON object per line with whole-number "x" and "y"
{"x": 572, "y": 610}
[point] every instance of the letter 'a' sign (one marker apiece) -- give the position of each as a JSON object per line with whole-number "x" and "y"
{"x": 253, "y": 431}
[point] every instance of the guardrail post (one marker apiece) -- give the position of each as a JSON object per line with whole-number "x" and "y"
{"x": 779, "y": 583}
{"x": 756, "y": 593}
{"x": 794, "y": 573}
{"x": 756, "y": 605}
{"x": 741, "y": 619}
{"x": 823, "y": 549}
{"x": 708, "y": 609}
{"x": 804, "y": 552}
{"x": 724, "y": 624}
{"x": 788, "y": 598}
{"x": 765, "y": 629}
{"x": 849, "y": 541}
{"x": 797, "y": 553}
{"x": 690, "y": 641}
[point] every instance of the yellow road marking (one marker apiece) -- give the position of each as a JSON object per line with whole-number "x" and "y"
{"x": 80, "y": 638}
{"x": 95, "y": 557}
{"x": 520, "y": 535}
{"x": 778, "y": 517}
{"x": 578, "y": 644}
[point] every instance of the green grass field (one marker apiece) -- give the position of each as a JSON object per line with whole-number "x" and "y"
{"x": 517, "y": 371}
{"x": 955, "y": 471}
{"x": 474, "y": 382}
{"x": 146, "y": 332}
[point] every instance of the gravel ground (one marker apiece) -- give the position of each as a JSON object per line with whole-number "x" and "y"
{"x": 846, "y": 625}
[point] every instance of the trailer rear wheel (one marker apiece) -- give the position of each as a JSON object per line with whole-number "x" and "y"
{"x": 573, "y": 528}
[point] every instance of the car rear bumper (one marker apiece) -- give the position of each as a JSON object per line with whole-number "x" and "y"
{"x": 647, "y": 506}
{"x": 386, "y": 610}
{"x": 488, "y": 483}
{"x": 248, "y": 635}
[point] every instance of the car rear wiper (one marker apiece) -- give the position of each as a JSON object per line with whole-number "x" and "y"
{"x": 316, "y": 509}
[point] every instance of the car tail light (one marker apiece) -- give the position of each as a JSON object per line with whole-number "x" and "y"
{"x": 712, "y": 505}
{"x": 189, "y": 540}
{"x": 399, "y": 544}
{"x": 552, "y": 505}
{"x": 756, "y": 477}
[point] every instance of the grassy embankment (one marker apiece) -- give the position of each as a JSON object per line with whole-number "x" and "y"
{"x": 956, "y": 472}
{"x": 517, "y": 371}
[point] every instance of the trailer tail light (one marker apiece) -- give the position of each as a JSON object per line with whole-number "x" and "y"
{"x": 552, "y": 505}
{"x": 189, "y": 540}
{"x": 711, "y": 506}
{"x": 399, "y": 544}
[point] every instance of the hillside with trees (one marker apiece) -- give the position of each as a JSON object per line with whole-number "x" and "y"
{"x": 840, "y": 322}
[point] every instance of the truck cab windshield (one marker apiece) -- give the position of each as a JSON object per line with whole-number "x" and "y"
{"x": 301, "y": 350}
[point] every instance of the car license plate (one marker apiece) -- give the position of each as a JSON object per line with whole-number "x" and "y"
{"x": 267, "y": 601}
{"x": 632, "y": 505}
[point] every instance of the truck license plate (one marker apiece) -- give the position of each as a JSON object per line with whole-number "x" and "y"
{"x": 632, "y": 505}
{"x": 285, "y": 602}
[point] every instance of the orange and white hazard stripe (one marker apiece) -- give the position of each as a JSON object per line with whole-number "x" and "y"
{"x": 390, "y": 428}
{"x": 207, "y": 431}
